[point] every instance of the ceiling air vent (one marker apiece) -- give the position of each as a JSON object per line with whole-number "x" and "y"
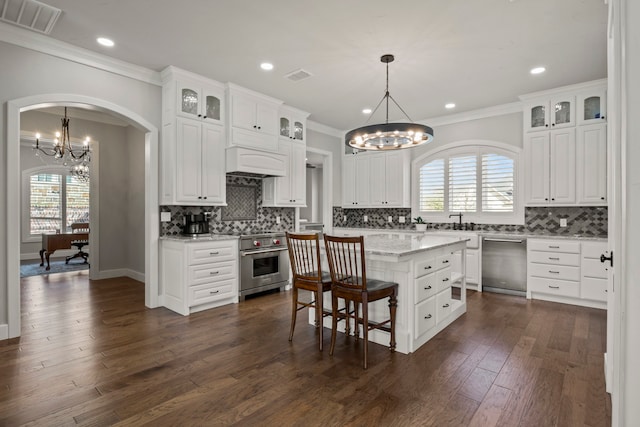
{"x": 295, "y": 76}
{"x": 29, "y": 14}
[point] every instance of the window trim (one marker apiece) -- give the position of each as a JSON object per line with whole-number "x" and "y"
{"x": 25, "y": 218}
{"x": 476, "y": 147}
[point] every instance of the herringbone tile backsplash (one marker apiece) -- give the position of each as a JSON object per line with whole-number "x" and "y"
{"x": 586, "y": 221}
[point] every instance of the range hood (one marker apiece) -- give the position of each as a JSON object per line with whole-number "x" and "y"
{"x": 255, "y": 163}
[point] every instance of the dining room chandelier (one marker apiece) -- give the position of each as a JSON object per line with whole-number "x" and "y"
{"x": 77, "y": 159}
{"x": 388, "y": 136}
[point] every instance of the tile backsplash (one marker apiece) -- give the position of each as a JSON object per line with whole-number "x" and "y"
{"x": 256, "y": 218}
{"x": 582, "y": 220}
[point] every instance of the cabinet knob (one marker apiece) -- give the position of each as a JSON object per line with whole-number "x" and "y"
{"x": 546, "y": 126}
{"x": 552, "y": 199}
{"x": 204, "y": 117}
{"x": 546, "y": 199}
{"x": 254, "y": 126}
{"x": 199, "y": 197}
{"x": 601, "y": 198}
{"x": 553, "y": 124}
{"x": 204, "y": 197}
{"x": 259, "y": 127}
{"x": 602, "y": 117}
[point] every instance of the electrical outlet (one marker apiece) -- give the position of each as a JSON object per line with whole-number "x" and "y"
{"x": 390, "y": 218}
{"x": 365, "y": 218}
{"x": 165, "y": 216}
{"x": 401, "y": 220}
{"x": 277, "y": 220}
{"x": 344, "y": 218}
{"x": 563, "y": 222}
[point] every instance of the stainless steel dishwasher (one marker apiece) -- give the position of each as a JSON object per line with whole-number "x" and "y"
{"x": 504, "y": 264}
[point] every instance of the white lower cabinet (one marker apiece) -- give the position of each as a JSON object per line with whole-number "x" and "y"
{"x": 198, "y": 275}
{"x": 567, "y": 271}
{"x": 433, "y": 301}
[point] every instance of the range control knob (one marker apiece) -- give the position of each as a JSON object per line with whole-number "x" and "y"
{"x": 256, "y": 243}
{"x": 276, "y": 241}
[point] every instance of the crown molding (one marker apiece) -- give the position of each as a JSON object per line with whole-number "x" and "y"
{"x": 483, "y": 113}
{"x": 327, "y": 130}
{"x": 578, "y": 87}
{"x": 47, "y": 45}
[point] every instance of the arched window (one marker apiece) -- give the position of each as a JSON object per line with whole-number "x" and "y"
{"x": 53, "y": 199}
{"x": 479, "y": 181}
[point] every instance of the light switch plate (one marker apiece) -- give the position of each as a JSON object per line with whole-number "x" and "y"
{"x": 563, "y": 222}
{"x": 277, "y": 220}
{"x": 401, "y": 220}
{"x": 390, "y": 218}
{"x": 365, "y": 218}
{"x": 165, "y": 216}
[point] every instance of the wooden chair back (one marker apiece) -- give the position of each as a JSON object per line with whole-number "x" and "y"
{"x": 304, "y": 255}
{"x": 346, "y": 261}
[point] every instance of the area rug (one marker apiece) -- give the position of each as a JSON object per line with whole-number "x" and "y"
{"x": 27, "y": 270}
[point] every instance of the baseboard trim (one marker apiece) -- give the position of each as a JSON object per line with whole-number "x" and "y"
{"x": 4, "y": 332}
{"x": 121, "y": 272}
{"x": 35, "y": 256}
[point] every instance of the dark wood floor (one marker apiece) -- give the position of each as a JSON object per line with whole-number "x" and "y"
{"x": 91, "y": 354}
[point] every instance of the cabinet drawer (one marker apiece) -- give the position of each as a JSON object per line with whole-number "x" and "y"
{"x": 593, "y": 249}
{"x": 594, "y": 268}
{"x": 425, "y": 316}
{"x": 554, "y": 246}
{"x": 207, "y": 273}
{"x": 564, "y": 288}
{"x": 211, "y": 252}
{"x": 555, "y": 258}
{"x": 593, "y": 289}
{"x": 425, "y": 266}
{"x": 444, "y": 260}
{"x": 202, "y": 294}
{"x": 443, "y": 279}
{"x": 561, "y": 272}
{"x": 443, "y": 305}
{"x": 426, "y": 286}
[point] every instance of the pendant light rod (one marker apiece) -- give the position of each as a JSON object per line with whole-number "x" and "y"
{"x": 387, "y": 95}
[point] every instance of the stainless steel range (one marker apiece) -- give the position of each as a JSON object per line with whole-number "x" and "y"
{"x": 264, "y": 263}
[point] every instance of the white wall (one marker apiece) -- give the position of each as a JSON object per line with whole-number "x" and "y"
{"x": 336, "y": 146}
{"x": 26, "y": 73}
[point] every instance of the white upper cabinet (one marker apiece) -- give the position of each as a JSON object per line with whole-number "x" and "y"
{"x": 592, "y": 164}
{"x": 356, "y": 189}
{"x": 592, "y": 106}
{"x": 253, "y": 119}
{"x": 200, "y": 101}
{"x": 550, "y": 113}
{"x": 293, "y": 123}
{"x": 289, "y": 190}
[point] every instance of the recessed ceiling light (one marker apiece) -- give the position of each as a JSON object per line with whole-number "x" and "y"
{"x": 366, "y": 111}
{"x": 450, "y": 105}
{"x": 105, "y": 41}
{"x": 266, "y": 66}
{"x": 538, "y": 70}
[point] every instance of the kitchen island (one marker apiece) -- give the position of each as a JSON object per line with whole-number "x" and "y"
{"x": 430, "y": 296}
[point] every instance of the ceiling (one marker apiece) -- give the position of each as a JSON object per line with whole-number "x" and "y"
{"x": 473, "y": 53}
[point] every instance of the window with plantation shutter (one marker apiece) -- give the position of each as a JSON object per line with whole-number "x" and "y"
{"x": 478, "y": 181}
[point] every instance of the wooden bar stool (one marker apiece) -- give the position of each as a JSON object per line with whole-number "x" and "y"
{"x": 349, "y": 281}
{"x": 304, "y": 254}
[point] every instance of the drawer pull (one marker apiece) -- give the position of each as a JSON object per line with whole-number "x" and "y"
{"x": 554, "y": 258}
{"x": 554, "y": 272}
{"x": 214, "y": 253}
{"x": 213, "y": 292}
{"x": 213, "y": 273}
{"x": 554, "y": 287}
{"x": 427, "y": 288}
{"x": 554, "y": 247}
{"x": 428, "y": 316}
{"x": 445, "y": 306}
{"x": 428, "y": 267}
{"x": 446, "y": 261}
{"x": 446, "y": 279}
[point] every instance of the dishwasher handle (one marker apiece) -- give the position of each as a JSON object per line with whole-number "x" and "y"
{"x": 489, "y": 239}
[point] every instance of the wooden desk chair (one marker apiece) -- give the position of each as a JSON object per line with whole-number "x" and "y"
{"x": 304, "y": 254}
{"x": 348, "y": 273}
{"x": 79, "y": 227}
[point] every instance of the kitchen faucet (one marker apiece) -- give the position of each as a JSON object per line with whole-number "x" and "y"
{"x": 457, "y": 226}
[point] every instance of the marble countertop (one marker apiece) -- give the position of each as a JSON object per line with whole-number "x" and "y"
{"x": 402, "y": 244}
{"x": 200, "y": 238}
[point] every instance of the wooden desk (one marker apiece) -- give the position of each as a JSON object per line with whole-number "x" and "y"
{"x": 53, "y": 242}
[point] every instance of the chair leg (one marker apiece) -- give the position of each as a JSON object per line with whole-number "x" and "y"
{"x": 365, "y": 331}
{"x": 356, "y": 328}
{"x": 319, "y": 311}
{"x": 393, "y": 304}
{"x": 294, "y": 311}
{"x": 347, "y": 310}
{"x": 334, "y": 322}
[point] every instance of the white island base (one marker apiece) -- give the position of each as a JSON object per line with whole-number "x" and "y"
{"x": 421, "y": 265}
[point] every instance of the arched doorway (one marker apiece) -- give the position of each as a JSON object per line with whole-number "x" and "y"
{"x": 14, "y": 108}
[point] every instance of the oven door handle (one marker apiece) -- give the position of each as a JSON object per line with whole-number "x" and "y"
{"x": 264, "y": 251}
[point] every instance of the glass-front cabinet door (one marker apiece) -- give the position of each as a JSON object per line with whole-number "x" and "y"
{"x": 536, "y": 116}
{"x": 200, "y": 102}
{"x": 285, "y": 127}
{"x": 298, "y": 130}
{"x": 592, "y": 107}
{"x": 212, "y": 108}
{"x": 188, "y": 101}
{"x": 562, "y": 112}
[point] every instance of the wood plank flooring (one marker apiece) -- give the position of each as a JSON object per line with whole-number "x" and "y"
{"x": 92, "y": 354}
